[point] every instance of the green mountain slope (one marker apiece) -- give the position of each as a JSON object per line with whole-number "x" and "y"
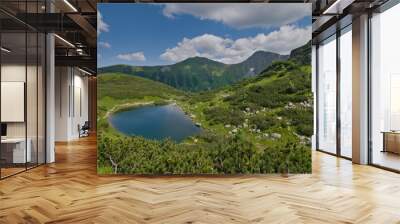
{"x": 198, "y": 73}
{"x": 122, "y": 86}
{"x": 261, "y": 124}
{"x": 117, "y": 91}
{"x": 279, "y": 97}
{"x": 302, "y": 55}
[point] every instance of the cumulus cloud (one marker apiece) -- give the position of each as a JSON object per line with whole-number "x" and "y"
{"x": 229, "y": 51}
{"x": 104, "y": 44}
{"x": 242, "y": 15}
{"x": 133, "y": 56}
{"x": 101, "y": 25}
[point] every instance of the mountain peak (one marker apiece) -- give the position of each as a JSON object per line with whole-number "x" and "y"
{"x": 199, "y": 61}
{"x": 261, "y": 56}
{"x": 261, "y": 53}
{"x": 302, "y": 54}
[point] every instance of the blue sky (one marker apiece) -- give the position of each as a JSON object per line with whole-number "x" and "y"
{"x": 159, "y": 34}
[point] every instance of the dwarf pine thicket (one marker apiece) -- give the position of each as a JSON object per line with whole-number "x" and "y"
{"x": 260, "y": 124}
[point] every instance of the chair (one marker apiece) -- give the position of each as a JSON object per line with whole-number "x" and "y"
{"x": 84, "y": 130}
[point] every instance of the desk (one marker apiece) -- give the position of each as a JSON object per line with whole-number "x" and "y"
{"x": 15, "y": 148}
{"x": 391, "y": 141}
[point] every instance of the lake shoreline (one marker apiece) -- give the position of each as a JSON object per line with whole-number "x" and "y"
{"x": 130, "y": 122}
{"x": 128, "y": 106}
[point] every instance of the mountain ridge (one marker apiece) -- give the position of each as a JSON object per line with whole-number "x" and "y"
{"x": 200, "y": 73}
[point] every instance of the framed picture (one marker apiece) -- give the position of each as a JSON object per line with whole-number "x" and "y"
{"x": 204, "y": 88}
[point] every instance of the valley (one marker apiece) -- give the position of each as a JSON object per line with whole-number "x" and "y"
{"x": 260, "y": 124}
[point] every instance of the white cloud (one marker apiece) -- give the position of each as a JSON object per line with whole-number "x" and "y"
{"x": 101, "y": 25}
{"x": 230, "y": 51}
{"x": 242, "y": 15}
{"x": 104, "y": 44}
{"x": 134, "y": 56}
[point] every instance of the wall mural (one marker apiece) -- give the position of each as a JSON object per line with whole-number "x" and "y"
{"x": 204, "y": 88}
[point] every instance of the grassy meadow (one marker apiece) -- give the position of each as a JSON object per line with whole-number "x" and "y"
{"x": 261, "y": 124}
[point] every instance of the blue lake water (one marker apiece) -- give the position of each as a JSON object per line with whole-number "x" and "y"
{"x": 155, "y": 122}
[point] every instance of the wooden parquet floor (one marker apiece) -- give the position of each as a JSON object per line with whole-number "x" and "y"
{"x": 69, "y": 191}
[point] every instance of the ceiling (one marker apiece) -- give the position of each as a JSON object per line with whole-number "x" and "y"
{"x": 73, "y": 22}
{"x": 331, "y": 15}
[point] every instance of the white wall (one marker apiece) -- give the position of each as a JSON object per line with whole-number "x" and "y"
{"x": 62, "y": 81}
{"x": 12, "y": 73}
{"x": 17, "y": 73}
{"x": 33, "y": 126}
{"x": 71, "y": 102}
{"x": 80, "y": 105}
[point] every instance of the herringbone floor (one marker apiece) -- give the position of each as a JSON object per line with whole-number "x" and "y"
{"x": 69, "y": 191}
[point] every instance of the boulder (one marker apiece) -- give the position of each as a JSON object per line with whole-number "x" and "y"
{"x": 276, "y": 135}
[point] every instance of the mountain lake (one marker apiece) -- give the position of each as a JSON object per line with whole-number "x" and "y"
{"x": 155, "y": 122}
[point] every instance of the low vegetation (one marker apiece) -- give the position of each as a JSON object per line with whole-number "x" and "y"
{"x": 261, "y": 124}
{"x": 214, "y": 154}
